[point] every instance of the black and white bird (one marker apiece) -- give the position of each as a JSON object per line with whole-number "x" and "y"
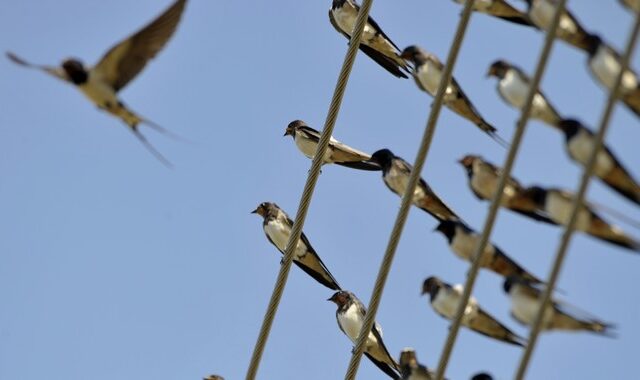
{"x": 604, "y": 64}
{"x": 513, "y": 87}
{"x": 525, "y": 303}
{"x": 569, "y": 29}
{"x": 307, "y": 139}
{"x": 557, "y": 204}
{"x": 445, "y": 299}
{"x": 277, "y": 226}
{"x": 119, "y": 66}
{"x": 350, "y": 315}
{"x": 500, "y": 9}
{"x": 374, "y": 43}
{"x": 580, "y": 142}
{"x": 410, "y": 369}
{"x": 482, "y": 376}
{"x": 213, "y": 377}
{"x": 427, "y": 73}
{"x": 395, "y": 174}
{"x": 633, "y": 5}
{"x": 463, "y": 242}
{"x": 483, "y": 180}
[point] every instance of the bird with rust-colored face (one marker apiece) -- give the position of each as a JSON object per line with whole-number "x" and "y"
{"x": 119, "y": 66}
{"x": 410, "y": 369}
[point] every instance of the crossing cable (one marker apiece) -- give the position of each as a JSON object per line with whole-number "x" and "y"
{"x": 578, "y": 200}
{"x": 407, "y": 197}
{"x": 497, "y": 196}
{"x": 309, "y": 187}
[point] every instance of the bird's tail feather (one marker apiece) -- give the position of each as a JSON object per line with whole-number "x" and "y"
{"x": 151, "y": 148}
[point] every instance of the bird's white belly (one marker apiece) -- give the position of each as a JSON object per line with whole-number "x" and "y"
{"x": 485, "y": 184}
{"x": 279, "y": 233}
{"x": 308, "y": 148}
{"x": 559, "y": 209}
{"x": 446, "y": 303}
{"x": 515, "y": 91}
{"x": 351, "y": 322}
{"x": 464, "y": 245}
{"x": 542, "y": 13}
{"x": 99, "y": 93}
{"x": 525, "y": 309}
{"x": 580, "y": 148}
{"x": 346, "y": 20}
{"x": 606, "y": 67}
{"x": 398, "y": 182}
{"x": 429, "y": 76}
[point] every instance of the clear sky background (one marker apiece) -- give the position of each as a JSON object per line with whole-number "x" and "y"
{"x": 115, "y": 267}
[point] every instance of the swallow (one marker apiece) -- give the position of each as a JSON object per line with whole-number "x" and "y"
{"x": 557, "y": 204}
{"x": 374, "y": 43}
{"x": 633, "y": 5}
{"x": 483, "y": 179}
{"x": 445, "y": 299}
{"x": 569, "y": 29}
{"x": 482, "y": 376}
{"x": 277, "y": 226}
{"x": 119, "y": 66}
{"x": 213, "y": 377}
{"x": 579, "y": 143}
{"x": 513, "y": 87}
{"x": 395, "y": 174}
{"x": 350, "y": 315}
{"x": 307, "y": 138}
{"x": 427, "y": 74}
{"x": 525, "y": 303}
{"x": 410, "y": 369}
{"x": 463, "y": 242}
{"x": 604, "y": 64}
{"x": 500, "y": 9}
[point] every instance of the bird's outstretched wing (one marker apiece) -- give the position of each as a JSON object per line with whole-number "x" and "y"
{"x": 57, "y": 72}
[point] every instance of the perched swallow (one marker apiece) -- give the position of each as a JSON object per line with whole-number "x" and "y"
{"x": 307, "y": 138}
{"x": 374, "y": 42}
{"x": 557, "y": 204}
{"x": 525, "y": 303}
{"x": 350, "y": 315}
{"x": 482, "y": 376}
{"x": 427, "y": 74}
{"x": 633, "y": 5}
{"x": 445, "y": 300}
{"x": 569, "y": 30}
{"x": 213, "y": 377}
{"x": 119, "y": 66}
{"x": 604, "y": 63}
{"x": 579, "y": 142}
{"x": 513, "y": 87}
{"x": 500, "y": 9}
{"x": 277, "y": 226}
{"x": 411, "y": 369}
{"x": 483, "y": 180}
{"x": 463, "y": 242}
{"x": 395, "y": 174}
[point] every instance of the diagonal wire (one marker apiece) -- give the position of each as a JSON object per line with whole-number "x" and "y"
{"x": 497, "y": 196}
{"x": 407, "y": 197}
{"x": 578, "y": 201}
{"x": 309, "y": 187}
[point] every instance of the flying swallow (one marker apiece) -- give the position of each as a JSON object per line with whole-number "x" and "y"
{"x": 525, "y": 303}
{"x": 395, "y": 174}
{"x": 633, "y": 5}
{"x": 374, "y": 42}
{"x": 350, "y": 315}
{"x": 483, "y": 180}
{"x": 277, "y": 226}
{"x": 445, "y": 299}
{"x": 579, "y": 143}
{"x": 604, "y": 63}
{"x": 569, "y": 29}
{"x": 500, "y": 9}
{"x": 557, "y": 204}
{"x": 307, "y": 138}
{"x": 513, "y": 87}
{"x": 463, "y": 242}
{"x": 119, "y": 66}
{"x": 411, "y": 369}
{"x": 427, "y": 74}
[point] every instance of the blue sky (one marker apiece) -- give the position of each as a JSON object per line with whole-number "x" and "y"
{"x": 115, "y": 267}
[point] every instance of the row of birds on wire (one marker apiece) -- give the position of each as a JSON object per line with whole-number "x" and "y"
{"x": 124, "y": 61}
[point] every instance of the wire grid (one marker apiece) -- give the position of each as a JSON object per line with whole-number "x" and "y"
{"x": 578, "y": 200}
{"x": 309, "y": 188}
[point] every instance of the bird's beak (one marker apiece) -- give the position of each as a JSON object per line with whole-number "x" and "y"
{"x": 490, "y": 72}
{"x": 254, "y": 211}
{"x": 288, "y": 132}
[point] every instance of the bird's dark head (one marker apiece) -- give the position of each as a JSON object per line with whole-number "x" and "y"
{"x": 431, "y": 285}
{"x": 338, "y": 3}
{"x": 537, "y": 194}
{"x": 341, "y": 298}
{"x": 382, "y": 157}
{"x": 593, "y": 44}
{"x": 293, "y": 127}
{"x": 448, "y": 228}
{"x": 570, "y": 126}
{"x": 498, "y": 69}
{"x": 75, "y": 70}
{"x": 408, "y": 359}
{"x": 467, "y": 163}
{"x": 414, "y": 54}
{"x": 509, "y": 282}
{"x": 264, "y": 208}
{"x": 214, "y": 377}
{"x": 482, "y": 376}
